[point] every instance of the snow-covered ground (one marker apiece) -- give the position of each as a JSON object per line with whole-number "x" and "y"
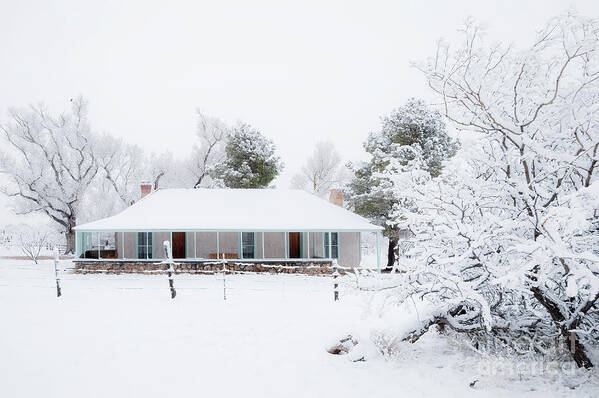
{"x": 122, "y": 336}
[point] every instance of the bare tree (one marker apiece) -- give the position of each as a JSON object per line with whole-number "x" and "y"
{"x": 125, "y": 166}
{"x": 32, "y": 241}
{"x": 213, "y": 135}
{"x": 49, "y": 162}
{"x": 321, "y": 172}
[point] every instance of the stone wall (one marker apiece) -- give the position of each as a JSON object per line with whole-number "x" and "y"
{"x": 120, "y": 267}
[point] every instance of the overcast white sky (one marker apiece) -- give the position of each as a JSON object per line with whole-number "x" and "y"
{"x": 298, "y": 72}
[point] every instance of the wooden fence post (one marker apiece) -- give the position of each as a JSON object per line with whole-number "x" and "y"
{"x": 224, "y": 278}
{"x": 335, "y": 281}
{"x": 171, "y": 270}
{"x": 56, "y": 271}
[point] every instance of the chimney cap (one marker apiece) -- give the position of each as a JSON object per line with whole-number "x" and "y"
{"x": 336, "y": 197}
{"x": 145, "y": 188}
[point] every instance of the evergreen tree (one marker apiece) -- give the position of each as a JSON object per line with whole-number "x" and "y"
{"x": 412, "y": 136}
{"x": 250, "y": 160}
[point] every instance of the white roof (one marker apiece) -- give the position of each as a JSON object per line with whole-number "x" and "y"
{"x": 232, "y": 210}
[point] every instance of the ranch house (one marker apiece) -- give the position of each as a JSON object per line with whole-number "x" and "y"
{"x": 281, "y": 226}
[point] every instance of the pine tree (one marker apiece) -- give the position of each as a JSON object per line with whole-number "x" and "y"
{"x": 250, "y": 160}
{"x": 413, "y": 135}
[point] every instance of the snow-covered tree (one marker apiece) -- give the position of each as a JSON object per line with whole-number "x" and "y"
{"x": 507, "y": 236}
{"x": 122, "y": 166}
{"x": 413, "y": 137}
{"x": 205, "y": 157}
{"x": 323, "y": 170}
{"x": 56, "y": 166}
{"x": 250, "y": 160}
{"x": 49, "y": 162}
{"x": 165, "y": 170}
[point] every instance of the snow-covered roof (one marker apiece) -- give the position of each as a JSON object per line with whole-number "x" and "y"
{"x": 232, "y": 210}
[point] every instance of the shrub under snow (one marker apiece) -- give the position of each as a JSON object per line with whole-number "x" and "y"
{"x": 506, "y": 237}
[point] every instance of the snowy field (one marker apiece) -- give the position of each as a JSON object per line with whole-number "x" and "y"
{"x": 122, "y": 336}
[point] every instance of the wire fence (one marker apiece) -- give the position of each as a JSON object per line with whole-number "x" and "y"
{"x": 70, "y": 280}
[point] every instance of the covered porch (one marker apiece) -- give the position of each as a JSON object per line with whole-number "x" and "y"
{"x": 262, "y": 246}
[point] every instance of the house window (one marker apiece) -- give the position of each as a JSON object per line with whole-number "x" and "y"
{"x": 144, "y": 245}
{"x": 86, "y": 244}
{"x": 334, "y": 244}
{"x": 248, "y": 245}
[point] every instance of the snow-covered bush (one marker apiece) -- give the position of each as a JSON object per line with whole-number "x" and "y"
{"x": 507, "y": 236}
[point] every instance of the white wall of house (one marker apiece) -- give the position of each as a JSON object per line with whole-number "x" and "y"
{"x": 274, "y": 244}
{"x": 158, "y": 243}
{"x": 205, "y": 244}
{"x": 316, "y": 241}
{"x": 130, "y": 245}
{"x": 349, "y": 249}
{"x": 119, "y": 245}
{"x": 228, "y": 242}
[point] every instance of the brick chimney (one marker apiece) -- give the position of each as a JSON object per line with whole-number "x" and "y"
{"x": 146, "y": 188}
{"x": 336, "y": 197}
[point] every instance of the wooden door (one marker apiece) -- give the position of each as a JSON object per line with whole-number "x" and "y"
{"x": 294, "y": 245}
{"x": 179, "y": 245}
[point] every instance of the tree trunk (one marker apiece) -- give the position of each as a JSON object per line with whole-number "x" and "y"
{"x": 391, "y": 252}
{"x": 571, "y": 338}
{"x": 577, "y": 350}
{"x": 70, "y": 236}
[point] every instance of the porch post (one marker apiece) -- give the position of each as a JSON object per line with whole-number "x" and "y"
{"x": 330, "y": 244}
{"x": 263, "y": 255}
{"x": 195, "y": 239}
{"x": 359, "y": 247}
{"x": 308, "y": 233}
{"x": 77, "y": 237}
{"x": 123, "y": 244}
{"x": 378, "y": 250}
{"x": 286, "y": 246}
{"x": 217, "y": 246}
{"x": 98, "y": 245}
{"x": 171, "y": 243}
